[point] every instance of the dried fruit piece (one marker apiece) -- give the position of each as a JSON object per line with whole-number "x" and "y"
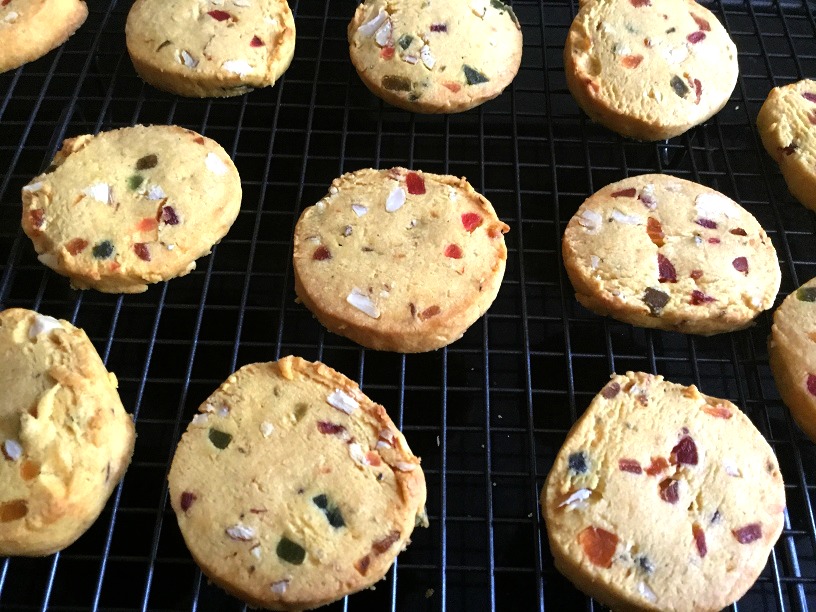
{"x": 811, "y": 384}
{"x": 748, "y": 533}
{"x": 256, "y": 42}
{"x": 393, "y": 82}
{"x": 471, "y": 221}
{"x": 699, "y": 539}
{"x": 669, "y": 490}
{"x": 806, "y": 294}
{"x": 810, "y": 97}
{"x": 713, "y": 241}
{"x": 696, "y": 274}
{"x": 656, "y": 300}
{"x": 290, "y": 552}
{"x": 701, "y": 23}
{"x": 598, "y": 545}
{"x": 381, "y": 546}
{"x": 578, "y": 462}
{"x": 37, "y": 217}
{"x": 685, "y": 451}
{"x": 658, "y": 465}
{"x": 387, "y": 52}
{"x": 454, "y": 251}
{"x": 679, "y": 86}
{"x": 655, "y": 231}
{"x": 438, "y": 27}
{"x": 473, "y": 76}
{"x": 187, "y": 499}
{"x": 361, "y": 565}
{"x": 640, "y": 3}
{"x": 429, "y": 312}
{"x": 142, "y": 251}
{"x": 454, "y": 87}
{"x": 415, "y": 183}
{"x": 610, "y": 390}
{"x": 631, "y": 61}
{"x": 147, "y": 224}
{"x": 29, "y": 470}
{"x": 790, "y": 149}
{"x": 738, "y": 231}
{"x": 76, "y": 246}
{"x": 169, "y": 216}
{"x": 698, "y": 297}
{"x": 13, "y": 510}
{"x": 332, "y": 512}
{"x": 219, "y": 15}
{"x": 630, "y": 465}
{"x": 707, "y": 223}
{"x": 325, "y": 427}
{"x": 740, "y": 265}
{"x": 147, "y": 162}
{"x": 103, "y": 250}
{"x": 719, "y": 411}
{"x": 696, "y": 37}
{"x": 321, "y": 253}
{"x": 220, "y": 439}
{"x": 631, "y": 192}
{"x": 665, "y": 270}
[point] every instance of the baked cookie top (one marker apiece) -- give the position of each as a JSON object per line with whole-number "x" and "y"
{"x": 649, "y": 69}
{"x": 292, "y": 489}
{"x": 31, "y": 28}
{"x": 65, "y": 438}
{"x": 787, "y": 125}
{"x": 210, "y": 47}
{"x": 133, "y": 206}
{"x": 435, "y": 56}
{"x": 663, "y": 498}
{"x": 399, "y": 260}
{"x": 659, "y": 251}
{"x": 792, "y": 347}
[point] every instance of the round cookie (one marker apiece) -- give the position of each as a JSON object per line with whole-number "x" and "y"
{"x": 792, "y": 351}
{"x": 787, "y": 125}
{"x": 662, "y": 498}
{"x": 210, "y": 49}
{"x": 65, "y": 438}
{"x": 399, "y": 260}
{"x": 440, "y": 56}
{"x": 133, "y": 206}
{"x": 31, "y": 28}
{"x": 292, "y": 489}
{"x": 649, "y": 69}
{"x": 659, "y": 251}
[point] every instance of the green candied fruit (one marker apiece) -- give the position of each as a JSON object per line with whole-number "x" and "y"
{"x": 102, "y": 250}
{"x": 806, "y": 294}
{"x": 290, "y": 552}
{"x": 405, "y": 41}
{"x": 473, "y": 76}
{"x": 679, "y": 86}
{"x": 220, "y": 439}
{"x": 135, "y": 181}
{"x": 396, "y": 83}
{"x": 332, "y": 512}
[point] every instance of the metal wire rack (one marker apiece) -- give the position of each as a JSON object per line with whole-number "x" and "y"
{"x": 487, "y": 414}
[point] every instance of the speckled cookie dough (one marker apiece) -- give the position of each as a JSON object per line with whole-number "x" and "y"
{"x": 399, "y": 260}
{"x": 787, "y": 125}
{"x": 210, "y": 48}
{"x": 659, "y": 251}
{"x": 31, "y": 28}
{"x": 792, "y": 350}
{"x": 649, "y": 69}
{"x": 663, "y": 498}
{"x": 65, "y": 438}
{"x": 435, "y": 56}
{"x": 292, "y": 489}
{"x": 129, "y": 207}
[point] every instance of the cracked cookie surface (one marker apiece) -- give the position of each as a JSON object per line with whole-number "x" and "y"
{"x": 129, "y": 207}
{"x": 663, "y": 498}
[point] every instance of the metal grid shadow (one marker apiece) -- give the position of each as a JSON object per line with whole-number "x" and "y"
{"x": 487, "y": 414}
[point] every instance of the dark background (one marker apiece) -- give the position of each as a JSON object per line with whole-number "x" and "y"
{"x": 487, "y": 414}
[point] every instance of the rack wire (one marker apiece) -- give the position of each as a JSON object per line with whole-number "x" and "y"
{"x": 487, "y": 414}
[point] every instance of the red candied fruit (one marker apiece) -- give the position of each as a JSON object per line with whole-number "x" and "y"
{"x": 696, "y": 37}
{"x": 219, "y": 15}
{"x": 699, "y": 539}
{"x": 812, "y": 117}
{"x": 169, "y": 216}
{"x": 665, "y": 270}
{"x": 698, "y": 297}
{"x": 381, "y": 546}
{"x": 698, "y": 90}
{"x": 454, "y": 251}
{"x": 439, "y": 27}
{"x": 740, "y": 265}
{"x": 811, "y": 384}
{"x": 738, "y": 231}
{"x": 37, "y": 217}
{"x": 625, "y": 193}
{"x": 748, "y": 533}
{"x": 429, "y": 312}
{"x": 373, "y": 458}
{"x": 696, "y": 274}
{"x": 187, "y": 499}
{"x": 76, "y": 246}
{"x": 631, "y": 61}
{"x": 387, "y": 52}
{"x": 658, "y": 465}
{"x": 610, "y": 390}
{"x": 630, "y": 465}
{"x": 148, "y": 224}
{"x": 4, "y": 2}
{"x": 598, "y": 545}
{"x": 719, "y": 411}
{"x": 707, "y": 223}
{"x": 454, "y": 87}
{"x": 256, "y": 42}
{"x": 713, "y": 241}
{"x": 142, "y": 251}
{"x": 471, "y": 221}
{"x": 639, "y": 3}
{"x": 685, "y": 451}
{"x": 669, "y": 490}
{"x": 325, "y": 427}
{"x": 811, "y": 97}
{"x": 701, "y": 23}
{"x": 415, "y": 183}
{"x": 655, "y": 231}
{"x": 321, "y": 253}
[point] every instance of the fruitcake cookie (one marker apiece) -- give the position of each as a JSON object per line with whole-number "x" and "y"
{"x": 792, "y": 350}
{"x": 31, "y": 28}
{"x": 399, "y": 260}
{"x": 65, "y": 438}
{"x": 659, "y": 251}
{"x": 133, "y": 206}
{"x": 787, "y": 125}
{"x": 292, "y": 489}
{"x": 210, "y": 48}
{"x": 649, "y": 69}
{"x": 435, "y": 56}
{"x": 662, "y": 498}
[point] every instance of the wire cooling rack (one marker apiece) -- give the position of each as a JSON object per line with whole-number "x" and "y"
{"x": 487, "y": 414}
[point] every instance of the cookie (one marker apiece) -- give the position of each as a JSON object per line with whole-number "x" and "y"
{"x": 792, "y": 352}
{"x": 129, "y": 207}
{"x": 292, "y": 488}
{"x": 439, "y": 56}
{"x": 65, "y": 438}
{"x": 399, "y": 260}
{"x": 659, "y": 251}
{"x": 649, "y": 69}
{"x": 210, "y": 49}
{"x": 31, "y": 28}
{"x": 662, "y": 498}
{"x": 787, "y": 125}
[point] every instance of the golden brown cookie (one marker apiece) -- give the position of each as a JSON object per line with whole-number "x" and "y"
{"x": 649, "y": 69}
{"x": 133, "y": 206}
{"x": 292, "y": 489}
{"x": 435, "y": 56}
{"x": 663, "y": 498}
{"x": 214, "y": 48}
{"x": 787, "y": 125}
{"x": 658, "y": 251}
{"x": 399, "y": 260}
{"x": 31, "y": 28}
{"x": 65, "y": 438}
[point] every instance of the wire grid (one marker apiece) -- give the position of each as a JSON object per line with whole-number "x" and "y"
{"x": 487, "y": 414}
